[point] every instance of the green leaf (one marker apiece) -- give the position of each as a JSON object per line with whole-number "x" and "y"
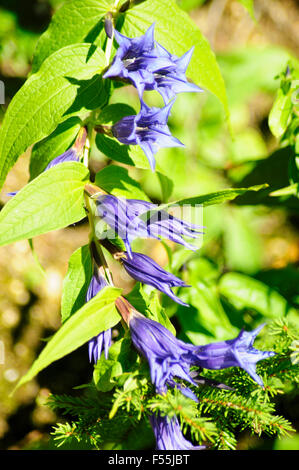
{"x": 291, "y": 190}
{"x": 246, "y": 292}
{"x": 166, "y": 185}
{"x": 150, "y": 305}
{"x": 68, "y": 83}
{"x": 76, "y": 282}
{"x": 114, "y": 112}
{"x": 49, "y": 148}
{"x": 217, "y": 197}
{"x": 280, "y": 113}
{"x": 53, "y": 200}
{"x": 122, "y": 359}
{"x": 177, "y": 32}
{"x": 98, "y": 315}
{"x": 131, "y": 155}
{"x": 76, "y": 21}
{"x": 116, "y": 180}
{"x": 205, "y": 319}
{"x": 242, "y": 244}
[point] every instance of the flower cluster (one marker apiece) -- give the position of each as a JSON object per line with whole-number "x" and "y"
{"x": 172, "y": 362}
{"x": 145, "y": 64}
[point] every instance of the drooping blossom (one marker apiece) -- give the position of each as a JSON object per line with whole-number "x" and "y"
{"x": 168, "y": 357}
{"x": 144, "y": 269}
{"x": 124, "y": 216}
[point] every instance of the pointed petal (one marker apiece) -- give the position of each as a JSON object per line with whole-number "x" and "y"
{"x": 149, "y": 153}
{"x": 184, "y": 61}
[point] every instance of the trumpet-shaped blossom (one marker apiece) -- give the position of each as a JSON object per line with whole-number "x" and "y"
{"x": 235, "y": 352}
{"x": 148, "y": 66}
{"x": 171, "y": 358}
{"x": 169, "y": 435}
{"x": 124, "y": 217}
{"x": 172, "y": 80}
{"x": 168, "y": 357}
{"x": 137, "y": 59}
{"x": 148, "y": 129}
{"x": 103, "y": 340}
{"x": 146, "y": 270}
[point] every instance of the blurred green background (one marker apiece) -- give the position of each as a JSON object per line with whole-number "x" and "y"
{"x": 250, "y": 237}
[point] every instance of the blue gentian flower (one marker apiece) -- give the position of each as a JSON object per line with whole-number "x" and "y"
{"x": 236, "y": 352}
{"x": 169, "y": 435}
{"x": 103, "y": 340}
{"x": 144, "y": 269}
{"x": 148, "y": 129}
{"x": 149, "y": 66}
{"x": 136, "y": 59}
{"x": 168, "y": 357}
{"x": 172, "y": 80}
{"x": 124, "y": 217}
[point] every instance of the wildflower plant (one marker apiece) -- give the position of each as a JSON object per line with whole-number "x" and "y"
{"x": 148, "y": 378}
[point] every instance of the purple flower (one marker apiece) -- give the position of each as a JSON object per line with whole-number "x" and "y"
{"x": 236, "y": 352}
{"x": 136, "y": 59}
{"x": 102, "y": 340}
{"x": 148, "y": 129}
{"x": 124, "y": 217}
{"x": 148, "y": 66}
{"x": 70, "y": 155}
{"x": 171, "y": 81}
{"x": 169, "y": 435}
{"x": 145, "y": 270}
{"x": 97, "y": 344}
{"x": 168, "y": 357}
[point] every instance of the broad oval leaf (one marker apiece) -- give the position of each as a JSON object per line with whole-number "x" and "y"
{"x": 82, "y": 19}
{"x": 247, "y": 292}
{"x": 97, "y": 315}
{"x": 116, "y": 180}
{"x": 53, "y": 200}
{"x": 68, "y": 83}
{"x": 76, "y": 282}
